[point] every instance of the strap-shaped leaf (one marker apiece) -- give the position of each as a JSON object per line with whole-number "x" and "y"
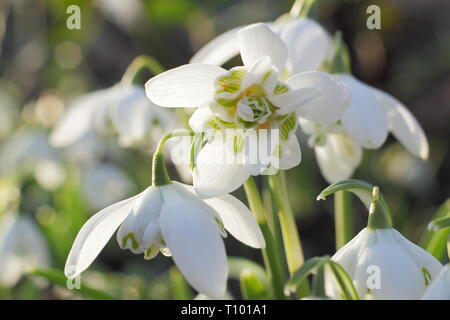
{"x": 57, "y": 277}
{"x": 309, "y": 267}
{"x": 361, "y": 189}
{"x": 348, "y": 289}
{"x": 435, "y": 241}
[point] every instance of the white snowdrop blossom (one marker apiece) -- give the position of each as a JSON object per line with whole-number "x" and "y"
{"x": 384, "y": 265}
{"x": 440, "y": 287}
{"x": 309, "y": 45}
{"x": 22, "y": 248}
{"x": 254, "y": 101}
{"x": 171, "y": 219}
{"x": 121, "y": 110}
{"x": 104, "y": 183}
{"x": 27, "y": 151}
{"x": 372, "y": 114}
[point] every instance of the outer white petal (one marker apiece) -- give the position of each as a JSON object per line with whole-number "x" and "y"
{"x": 218, "y": 170}
{"x": 327, "y": 107}
{"x": 291, "y": 155}
{"x": 294, "y": 99}
{"x": 94, "y": 235}
{"x": 338, "y": 158}
{"x": 308, "y": 44}
{"x": 193, "y": 237}
{"x": 200, "y": 116}
{"x": 188, "y": 86}
{"x": 238, "y": 220}
{"x": 258, "y": 40}
{"x": 219, "y": 50}
{"x": 79, "y": 119}
{"x": 142, "y": 222}
{"x": 365, "y": 120}
{"x": 440, "y": 287}
{"x": 404, "y": 125}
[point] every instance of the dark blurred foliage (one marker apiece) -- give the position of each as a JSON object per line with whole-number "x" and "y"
{"x": 409, "y": 58}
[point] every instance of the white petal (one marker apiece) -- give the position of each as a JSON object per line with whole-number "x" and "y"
{"x": 200, "y": 116}
{"x": 257, "y": 40}
{"x": 94, "y": 235}
{"x": 440, "y": 287}
{"x": 142, "y": 223}
{"x": 404, "y": 125}
{"x": 256, "y": 73}
{"x": 80, "y": 118}
{"x": 218, "y": 170}
{"x": 188, "y": 86}
{"x": 219, "y": 50}
{"x": 293, "y": 100}
{"x": 238, "y": 220}
{"x": 291, "y": 155}
{"x": 338, "y": 158}
{"x": 365, "y": 120}
{"x": 193, "y": 237}
{"x": 329, "y": 105}
{"x": 308, "y": 44}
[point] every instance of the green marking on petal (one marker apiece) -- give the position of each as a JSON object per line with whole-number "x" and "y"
{"x": 280, "y": 88}
{"x": 289, "y": 124}
{"x": 426, "y": 276}
{"x": 238, "y": 143}
{"x": 130, "y": 236}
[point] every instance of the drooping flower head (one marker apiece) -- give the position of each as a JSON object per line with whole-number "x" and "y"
{"x": 256, "y": 99}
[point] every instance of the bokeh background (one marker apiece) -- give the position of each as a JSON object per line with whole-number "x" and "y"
{"x": 44, "y": 66}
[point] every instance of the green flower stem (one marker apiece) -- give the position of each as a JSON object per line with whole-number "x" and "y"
{"x": 133, "y": 74}
{"x": 271, "y": 254}
{"x": 160, "y": 176}
{"x": 291, "y": 239}
{"x": 343, "y": 218}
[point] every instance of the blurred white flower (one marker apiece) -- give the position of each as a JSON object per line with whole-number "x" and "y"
{"x": 123, "y": 13}
{"x": 365, "y": 124}
{"x": 121, "y": 110}
{"x": 249, "y": 97}
{"x": 103, "y": 184}
{"x": 27, "y": 152}
{"x": 308, "y": 44}
{"x": 173, "y": 220}
{"x": 440, "y": 287}
{"x": 22, "y": 247}
{"x": 385, "y": 265}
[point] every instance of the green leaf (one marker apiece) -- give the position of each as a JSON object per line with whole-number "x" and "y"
{"x": 361, "y": 189}
{"x": 435, "y": 241}
{"x": 344, "y": 281}
{"x": 310, "y": 266}
{"x": 57, "y": 277}
{"x": 252, "y": 288}
{"x": 439, "y": 224}
{"x": 238, "y": 265}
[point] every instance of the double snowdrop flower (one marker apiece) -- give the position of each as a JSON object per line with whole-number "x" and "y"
{"x": 121, "y": 110}
{"x": 169, "y": 217}
{"x": 382, "y": 263}
{"x": 22, "y": 247}
{"x": 372, "y": 114}
{"x": 254, "y": 99}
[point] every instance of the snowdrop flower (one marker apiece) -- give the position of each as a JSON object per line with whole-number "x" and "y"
{"x": 27, "y": 152}
{"x": 104, "y": 183}
{"x": 134, "y": 120}
{"x": 308, "y": 44}
{"x": 372, "y": 114}
{"x": 248, "y": 99}
{"x": 440, "y": 287}
{"x": 169, "y": 217}
{"x": 22, "y": 247}
{"x": 382, "y": 263}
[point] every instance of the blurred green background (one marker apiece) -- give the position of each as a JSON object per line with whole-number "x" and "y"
{"x": 43, "y": 65}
